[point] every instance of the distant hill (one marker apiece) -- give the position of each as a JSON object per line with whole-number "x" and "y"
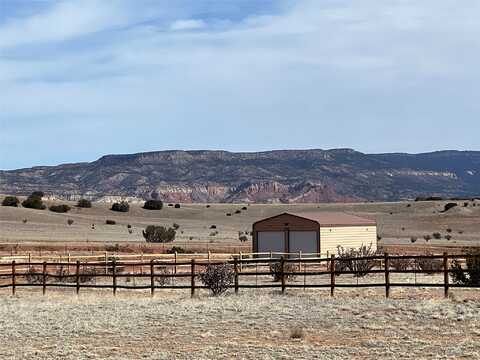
{"x": 285, "y": 176}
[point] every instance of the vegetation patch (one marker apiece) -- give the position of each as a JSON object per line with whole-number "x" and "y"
{"x": 159, "y": 234}
{"x": 153, "y": 205}
{"x": 63, "y": 208}
{"x": 10, "y": 201}
{"x": 122, "y": 206}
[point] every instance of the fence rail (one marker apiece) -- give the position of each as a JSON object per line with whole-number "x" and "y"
{"x": 158, "y": 274}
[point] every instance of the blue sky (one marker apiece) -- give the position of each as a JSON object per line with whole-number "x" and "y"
{"x": 80, "y": 79}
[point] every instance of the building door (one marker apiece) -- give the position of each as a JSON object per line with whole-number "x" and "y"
{"x": 271, "y": 241}
{"x": 304, "y": 241}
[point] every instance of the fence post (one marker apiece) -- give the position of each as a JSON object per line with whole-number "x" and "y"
{"x": 44, "y": 278}
{"x": 175, "y": 269}
{"x": 68, "y": 260}
{"x": 387, "y": 276}
{"x": 13, "y": 277}
{"x": 77, "y": 276}
{"x": 29, "y": 261}
{"x": 235, "y": 268}
{"x": 445, "y": 274}
{"x": 332, "y": 275}
{"x": 192, "y": 274}
{"x": 282, "y": 273}
{"x": 106, "y": 263}
{"x": 299, "y": 260}
{"x": 152, "y": 278}
{"x": 241, "y": 256}
{"x": 114, "y": 272}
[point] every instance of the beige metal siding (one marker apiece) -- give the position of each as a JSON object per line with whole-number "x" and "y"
{"x": 348, "y": 237}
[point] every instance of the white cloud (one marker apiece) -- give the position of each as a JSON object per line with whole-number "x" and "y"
{"x": 191, "y": 24}
{"x": 370, "y": 68}
{"x": 62, "y": 21}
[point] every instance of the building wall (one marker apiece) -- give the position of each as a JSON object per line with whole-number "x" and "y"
{"x": 348, "y": 237}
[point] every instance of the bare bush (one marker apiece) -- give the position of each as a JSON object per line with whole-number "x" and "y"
{"x": 346, "y": 260}
{"x": 471, "y": 274}
{"x": 297, "y": 333}
{"x": 429, "y": 265}
{"x": 400, "y": 263}
{"x": 276, "y": 270}
{"x": 217, "y": 278}
{"x": 161, "y": 275}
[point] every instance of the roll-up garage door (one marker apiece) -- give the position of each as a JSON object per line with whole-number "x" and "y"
{"x": 271, "y": 241}
{"x": 304, "y": 241}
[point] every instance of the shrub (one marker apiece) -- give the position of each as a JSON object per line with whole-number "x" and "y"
{"x": 243, "y": 238}
{"x": 24, "y": 221}
{"x": 39, "y": 194}
{"x": 84, "y": 203}
{"x": 129, "y": 226}
{"x": 213, "y": 226}
{"x": 34, "y": 275}
{"x": 208, "y": 206}
{"x": 379, "y": 237}
{"x": 437, "y": 235}
{"x": 171, "y": 205}
{"x": 413, "y": 239}
{"x": 213, "y": 233}
{"x": 448, "y": 237}
{"x": 244, "y": 208}
{"x": 34, "y": 201}
{"x": 176, "y": 249}
{"x": 110, "y": 222}
{"x": 429, "y": 265}
{"x": 471, "y": 274}
{"x": 161, "y": 275}
{"x": 449, "y": 206}
{"x": 176, "y": 226}
{"x": 69, "y": 221}
{"x": 449, "y": 230}
{"x": 10, "y": 201}
{"x": 229, "y": 214}
{"x": 238, "y": 211}
{"x": 63, "y": 208}
{"x": 158, "y": 234}
{"x": 345, "y": 260}
{"x": 427, "y": 238}
{"x": 276, "y": 270}
{"x": 297, "y": 333}
{"x": 400, "y": 263}
{"x": 153, "y": 205}
{"x": 465, "y": 204}
{"x": 122, "y": 206}
{"x": 217, "y": 278}
{"x": 177, "y": 206}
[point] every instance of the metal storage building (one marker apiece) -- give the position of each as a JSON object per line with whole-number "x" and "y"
{"x": 314, "y": 232}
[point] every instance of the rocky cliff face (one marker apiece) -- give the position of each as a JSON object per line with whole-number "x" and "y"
{"x": 268, "y": 177}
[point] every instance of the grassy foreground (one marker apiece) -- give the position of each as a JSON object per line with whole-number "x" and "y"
{"x": 248, "y": 326}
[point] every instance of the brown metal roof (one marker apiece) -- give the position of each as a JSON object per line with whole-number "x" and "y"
{"x": 336, "y": 219}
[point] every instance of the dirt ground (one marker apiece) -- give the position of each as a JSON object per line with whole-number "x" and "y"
{"x": 397, "y": 223}
{"x": 356, "y": 324}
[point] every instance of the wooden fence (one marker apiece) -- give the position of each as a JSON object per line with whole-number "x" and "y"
{"x": 85, "y": 275}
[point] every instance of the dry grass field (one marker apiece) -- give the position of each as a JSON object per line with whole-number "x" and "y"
{"x": 397, "y": 223}
{"x": 253, "y": 325}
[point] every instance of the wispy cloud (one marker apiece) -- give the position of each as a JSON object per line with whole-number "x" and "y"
{"x": 190, "y": 24}
{"x": 244, "y": 78}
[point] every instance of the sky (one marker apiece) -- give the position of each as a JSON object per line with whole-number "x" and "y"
{"x": 81, "y": 79}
